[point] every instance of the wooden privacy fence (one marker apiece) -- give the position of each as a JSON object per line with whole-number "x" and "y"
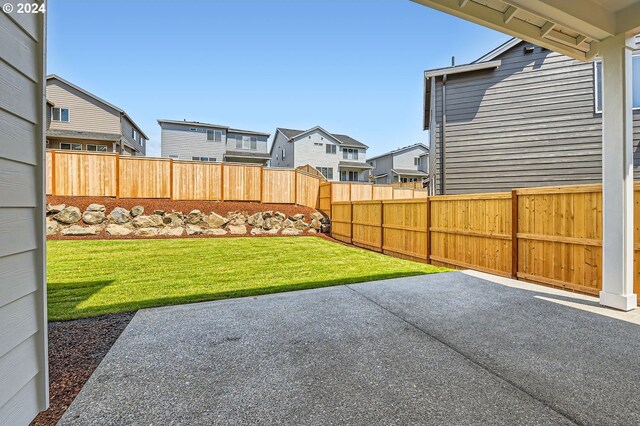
{"x": 72, "y": 173}
{"x": 547, "y": 235}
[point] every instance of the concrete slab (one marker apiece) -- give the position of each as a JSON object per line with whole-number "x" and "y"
{"x": 340, "y": 355}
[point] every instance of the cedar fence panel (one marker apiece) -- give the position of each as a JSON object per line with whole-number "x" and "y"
{"x": 560, "y": 236}
{"x": 143, "y": 177}
{"x": 382, "y": 192}
{"x": 420, "y": 193}
{"x": 324, "y": 198}
{"x": 405, "y": 229}
{"x": 193, "y": 180}
{"x": 242, "y": 182}
{"x": 472, "y": 231}
{"x": 367, "y": 224}
{"x": 361, "y": 192}
{"x": 279, "y": 186}
{"x": 402, "y": 193}
{"x": 49, "y": 172}
{"x": 83, "y": 174}
{"x": 307, "y": 189}
{"x": 341, "y": 221}
{"x": 340, "y": 191}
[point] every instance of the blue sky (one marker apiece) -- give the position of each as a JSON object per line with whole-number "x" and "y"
{"x": 350, "y": 66}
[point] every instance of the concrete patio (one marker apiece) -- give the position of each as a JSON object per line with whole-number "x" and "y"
{"x": 451, "y": 348}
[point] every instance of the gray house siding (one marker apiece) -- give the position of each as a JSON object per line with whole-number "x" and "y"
{"x": 177, "y": 141}
{"x": 280, "y": 142}
{"x": 139, "y": 143}
{"x": 530, "y": 122}
{"x": 23, "y": 327}
{"x": 383, "y": 165}
{"x": 401, "y": 159}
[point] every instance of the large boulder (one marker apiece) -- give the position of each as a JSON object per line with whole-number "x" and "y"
{"x": 159, "y": 212}
{"x": 96, "y": 208}
{"x": 257, "y": 231}
{"x": 287, "y": 223}
{"x": 68, "y": 215}
{"x": 147, "y": 232}
{"x": 237, "y": 218}
{"x": 119, "y": 230}
{"x": 215, "y": 221}
{"x": 171, "y": 232}
{"x": 173, "y": 220}
{"x": 137, "y": 211}
{"x": 267, "y": 214}
{"x": 316, "y": 224}
{"x": 218, "y": 231}
{"x": 153, "y": 221}
{"x": 237, "y": 229}
{"x": 280, "y": 216}
{"x": 295, "y": 217}
{"x": 256, "y": 220}
{"x": 55, "y": 208}
{"x": 317, "y": 215}
{"x": 268, "y": 223}
{"x": 52, "y": 227}
{"x": 299, "y": 224}
{"x": 80, "y": 231}
{"x": 93, "y": 217}
{"x": 312, "y": 231}
{"x": 194, "y": 230}
{"x": 194, "y": 217}
{"x": 291, "y": 231}
{"x": 119, "y": 215}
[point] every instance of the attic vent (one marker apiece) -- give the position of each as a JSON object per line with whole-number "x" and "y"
{"x": 528, "y": 49}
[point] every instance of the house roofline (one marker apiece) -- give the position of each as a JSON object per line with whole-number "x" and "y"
{"x": 91, "y": 95}
{"x": 404, "y": 148}
{"x": 459, "y": 69}
{"x": 489, "y": 56}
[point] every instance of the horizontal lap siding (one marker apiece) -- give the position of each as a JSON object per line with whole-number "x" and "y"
{"x": 530, "y": 122}
{"x": 23, "y": 366}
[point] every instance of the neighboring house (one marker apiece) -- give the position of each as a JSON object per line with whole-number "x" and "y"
{"x": 406, "y": 164}
{"x": 80, "y": 121}
{"x": 337, "y": 157}
{"x": 192, "y": 140}
{"x": 24, "y": 387}
{"x": 519, "y": 116}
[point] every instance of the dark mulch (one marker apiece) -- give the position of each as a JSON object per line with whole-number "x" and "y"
{"x": 75, "y": 349}
{"x": 184, "y": 206}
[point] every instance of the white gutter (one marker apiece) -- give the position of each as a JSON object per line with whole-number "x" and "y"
{"x": 463, "y": 68}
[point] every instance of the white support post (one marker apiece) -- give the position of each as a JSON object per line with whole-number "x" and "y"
{"x": 617, "y": 173}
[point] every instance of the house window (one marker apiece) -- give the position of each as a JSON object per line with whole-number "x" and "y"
{"x": 214, "y": 135}
{"x": 71, "y": 146}
{"x": 97, "y": 148}
{"x": 416, "y": 161}
{"x": 331, "y": 149}
{"x": 350, "y": 154}
{"x": 283, "y": 152}
{"x": 405, "y": 180}
{"x": 349, "y": 176}
{"x": 202, "y": 158}
{"x": 133, "y": 134}
{"x": 317, "y": 143}
{"x": 373, "y": 163}
{"x": 326, "y": 171}
{"x": 60, "y": 114}
{"x": 635, "y": 65}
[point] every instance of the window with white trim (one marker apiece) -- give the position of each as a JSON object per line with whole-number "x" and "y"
{"x": 331, "y": 149}
{"x": 214, "y": 135}
{"x": 283, "y": 153}
{"x": 416, "y": 161}
{"x": 71, "y": 146}
{"x": 349, "y": 154}
{"x": 635, "y": 66}
{"x": 349, "y": 176}
{"x": 326, "y": 171}
{"x": 96, "y": 148}
{"x": 202, "y": 158}
{"x": 60, "y": 114}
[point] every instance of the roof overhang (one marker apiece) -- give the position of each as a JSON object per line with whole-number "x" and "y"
{"x": 480, "y": 66}
{"x": 573, "y": 28}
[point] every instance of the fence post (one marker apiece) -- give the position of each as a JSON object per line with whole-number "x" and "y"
{"x": 351, "y": 218}
{"x": 53, "y": 172}
{"x": 171, "y": 178}
{"x": 261, "y": 181}
{"x": 514, "y": 234}
{"x": 381, "y": 225}
{"x": 428, "y": 229}
{"x": 221, "y": 181}
{"x": 295, "y": 186}
{"x": 117, "y": 175}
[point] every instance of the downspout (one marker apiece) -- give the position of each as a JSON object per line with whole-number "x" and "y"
{"x": 432, "y": 138}
{"x": 443, "y": 138}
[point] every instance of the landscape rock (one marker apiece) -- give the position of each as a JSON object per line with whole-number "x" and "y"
{"x": 147, "y": 232}
{"x": 287, "y": 224}
{"x": 312, "y": 231}
{"x": 280, "y": 216}
{"x": 295, "y": 217}
{"x": 171, "y": 232}
{"x": 316, "y": 224}
{"x": 119, "y": 215}
{"x": 68, "y": 215}
{"x": 237, "y": 218}
{"x": 326, "y": 229}
{"x": 52, "y": 227}
{"x": 194, "y": 217}
{"x": 255, "y": 220}
{"x": 300, "y": 225}
{"x": 137, "y": 211}
{"x": 272, "y": 231}
{"x": 291, "y": 231}
{"x": 93, "y": 217}
{"x": 194, "y": 230}
{"x": 159, "y": 212}
{"x": 80, "y": 231}
{"x": 96, "y": 208}
{"x": 119, "y": 230}
{"x": 317, "y": 215}
{"x": 257, "y": 231}
{"x": 267, "y": 214}
{"x": 268, "y": 223}
{"x": 173, "y": 220}
{"x": 55, "y": 208}
{"x": 237, "y": 229}
{"x": 214, "y": 232}
{"x": 143, "y": 221}
{"x": 215, "y": 221}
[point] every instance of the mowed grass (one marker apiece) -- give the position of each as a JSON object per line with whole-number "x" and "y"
{"x": 89, "y": 278}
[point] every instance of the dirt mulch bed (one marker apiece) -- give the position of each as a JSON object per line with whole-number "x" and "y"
{"x": 151, "y": 204}
{"x": 75, "y": 349}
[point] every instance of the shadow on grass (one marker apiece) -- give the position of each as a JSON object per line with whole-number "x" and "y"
{"x": 75, "y": 293}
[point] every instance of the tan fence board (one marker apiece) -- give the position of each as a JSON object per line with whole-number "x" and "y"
{"x": 144, "y": 177}
{"x": 242, "y": 182}
{"x": 84, "y": 174}
{"x": 197, "y": 180}
{"x": 307, "y": 189}
{"x": 367, "y": 224}
{"x": 279, "y": 186}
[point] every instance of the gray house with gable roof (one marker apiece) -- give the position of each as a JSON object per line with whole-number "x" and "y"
{"x": 338, "y": 157}
{"x": 406, "y": 164}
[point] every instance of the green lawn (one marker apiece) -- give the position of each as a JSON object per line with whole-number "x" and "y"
{"x": 89, "y": 278}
